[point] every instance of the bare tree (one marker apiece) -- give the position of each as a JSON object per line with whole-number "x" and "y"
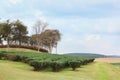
{"x": 50, "y": 39}
{"x": 39, "y": 27}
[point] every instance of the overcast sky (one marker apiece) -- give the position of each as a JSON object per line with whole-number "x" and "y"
{"x": 91, "y": 26}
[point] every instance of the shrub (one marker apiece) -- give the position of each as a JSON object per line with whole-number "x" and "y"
{"x": 1, "y": 55}
{"x": 56, "y": 66}
{"x": 74, "y": 64}
{"x": 43, "y": 61}
{"x": 39, "y": 65}
{"x": 13, "y": 57}
{"x": 24, "y": 46}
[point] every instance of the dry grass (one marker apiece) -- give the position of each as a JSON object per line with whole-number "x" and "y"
{"x": 108, "y": 60}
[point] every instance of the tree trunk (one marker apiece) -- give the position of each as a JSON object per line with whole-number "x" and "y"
{"x": 56, "y": 49}
{"x": 73, "y": 68}
{"x": 7, "y": 44}
{"x": 20, "y": 42}
{"x": 38, "y": 48}
{"x": 50, "y": 49}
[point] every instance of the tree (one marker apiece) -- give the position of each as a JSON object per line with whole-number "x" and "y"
{"x": 39, "y": 27}
{"x": 5, "y": 31}
{"x": 1, "y": 35}
{"x": 25, "y": 40}
{"x": 19, "y": 32}
{"x": 50, "y": 38}
{"x": 1, "y": 42}
{"x": 33, "y": 39}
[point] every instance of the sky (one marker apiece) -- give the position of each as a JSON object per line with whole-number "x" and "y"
{"x": 87, "y": 26}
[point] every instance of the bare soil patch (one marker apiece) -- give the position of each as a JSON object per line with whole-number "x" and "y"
{"x": 108, "y": 60}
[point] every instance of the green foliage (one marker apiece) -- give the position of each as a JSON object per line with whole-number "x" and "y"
{"x": 1, "y": 55}
{"x": 5, "y": 31}
{"x": 43, "y": 61}
{"x": 86, "y": 55}
{"x": 19, "y": 32}
{"x": 14, "y": 32}
{"x": 57, "y": 65}
{"x": 39, "y": 65}
{"x": 116, "y": 64}
{"x": 74, "y": 64}
{"x": 13, "y": 57}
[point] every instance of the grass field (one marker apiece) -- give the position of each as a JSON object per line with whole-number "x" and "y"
{"x": 108, "y": 60}
{"x": 95, "y": 71}
{"x": 17, "y": 50}
{"x": 116, "y": 64}
{"x": 10, "y": 70}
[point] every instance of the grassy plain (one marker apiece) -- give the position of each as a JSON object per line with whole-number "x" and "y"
{"x": 95, "y": 71}
{"x": 10, "y": 70}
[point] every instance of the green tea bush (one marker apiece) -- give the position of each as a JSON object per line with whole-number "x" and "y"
{"x": 57, "y": 65}
{"x": 1, "y": 55}
{"x": 39, "y": 65}
{"x": 74, "y": 64}
{"x": 12, "y": 57}
{"x": 42, "y": 61}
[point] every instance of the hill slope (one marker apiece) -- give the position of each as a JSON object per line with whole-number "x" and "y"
{"x": 88, "y": 55}
{"x": 95, "y": 71}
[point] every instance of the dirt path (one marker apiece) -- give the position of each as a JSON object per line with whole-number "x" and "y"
{"x": 108, "y": 60}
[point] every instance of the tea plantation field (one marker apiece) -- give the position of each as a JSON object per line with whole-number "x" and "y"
{"x": 11, "y": 70}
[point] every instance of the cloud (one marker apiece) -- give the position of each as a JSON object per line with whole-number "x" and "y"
{"x": 86, "y": 25}
{"x": 114, "y": 28}
{"x": 101, "y": 44}
{"x": 65, "y": 8}
{"x": 81, "y": 25}
{"x": 88, "y": 35}
{"x": 92, "y": 37}
{"x": 14, "y": 2}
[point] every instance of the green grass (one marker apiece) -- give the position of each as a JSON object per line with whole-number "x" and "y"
{"x": 19, "y": 71}
{"x": 116, "y": 64}
{"x": 43, "y": 61}
{"x": 17, "y": 50}
{"x": 95, "y": 71}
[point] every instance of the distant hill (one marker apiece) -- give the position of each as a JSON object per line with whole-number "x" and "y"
{"x": 113, "y": 56}
{"x": 86, "y": 55}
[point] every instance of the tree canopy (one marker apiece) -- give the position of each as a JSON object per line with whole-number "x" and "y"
{"x": 16, "y": 33}
{"x": 50, "y": 38}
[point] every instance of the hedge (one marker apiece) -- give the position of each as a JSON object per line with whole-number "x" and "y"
{"x": 44, "y": 61}
{"x": 26, "y": 47}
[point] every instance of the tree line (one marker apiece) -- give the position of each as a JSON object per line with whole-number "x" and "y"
{"x": 16, "y": 33}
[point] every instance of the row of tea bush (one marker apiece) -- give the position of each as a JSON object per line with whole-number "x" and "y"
{"x": 41, "y": 61}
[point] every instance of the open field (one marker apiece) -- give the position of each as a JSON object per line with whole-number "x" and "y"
{"x": 95, "y": 71}
{"x": 10, "y": 70}
{"x": 42, "y": 61}
{"x": 108, "y": 60}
